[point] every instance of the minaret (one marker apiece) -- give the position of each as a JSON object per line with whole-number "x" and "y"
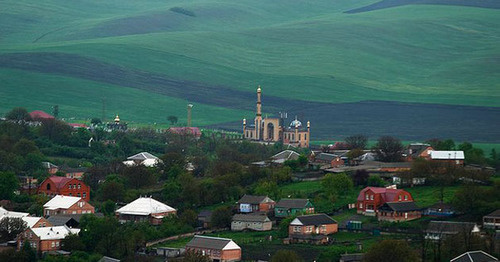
{"x": 189, "y": 108}
{"x": 296, "y": 130}
{"x": 117, "y": 119}
{"x": 244, "y": 127}
{"x": 308, "y": 133}
{"x": 258, "y": 115}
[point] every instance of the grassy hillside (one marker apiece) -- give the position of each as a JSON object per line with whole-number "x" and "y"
{"x": 216, "y": 52}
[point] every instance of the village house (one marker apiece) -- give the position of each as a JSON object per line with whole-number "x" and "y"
{"x": 56, "y": 185}
{"x": 398, "y": 211}
{"x": 290, "y": 207}
{"x": 278, "y": 159}
{"x": 492, "y": 220}
{"x": 7, "y": 213}
{"x": 437, "y": 230}
{"x": 32, "y": 222}
{"x": 51, "y": 168}
{"x": 74, "y": 172}
{"x": 417, "y": 150}
{"x": 44, "y": 239}
{"x": 249, "y": 204}
{"x": 439, "y": 209}
{"x": 371, "y": 198}
{"x": 143, "y": 158}
{"x": 251, "y": 221}
{"x": 40, "y": 115}
{"x": 205, "y": 218}
{"x": 144, "y": 209}
{"x": 312, "y": 229}
{"x": 217, "y": 249}
{"x": 67, "y": 205}
{"x": 475, "y": 256}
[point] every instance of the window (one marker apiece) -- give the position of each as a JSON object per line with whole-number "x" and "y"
{"x": 309, "y": 229}
{"x": 57, "y": 244}
{"x": 84, "y": 195}
{"x": 297, "y": 229}
{"x": 48, "y": 186}
{"x": 406, "y": 197}
{"x": 34, "y": 245}
{"x": 53, "y": 244}
{"x": 70, "y": 194}
{"x": 367, "y": 197}
{"x": 79, "y": 186}
{"x": 78, "y": 194}
{"x": 74, "y": 212}
{"x": 74, "y": 186}
{"x": 399, "y": 197}
{"x": 360, "y": 205}
{"x": 305, "y": 136}
{"x": 371, "y": 197}
{"x": 31, "y": 235}
{"x": 299, "y": 136}
{"x": 323, "y": 228}
{"x": 69, "y": 187}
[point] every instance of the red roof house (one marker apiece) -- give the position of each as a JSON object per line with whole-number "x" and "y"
{"x": 371, "y": 198}
{"x": 40, "y": 115}
{"x": 56, "y": 185}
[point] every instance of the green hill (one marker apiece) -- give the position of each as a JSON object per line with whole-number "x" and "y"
{"x": 155, "y": 56}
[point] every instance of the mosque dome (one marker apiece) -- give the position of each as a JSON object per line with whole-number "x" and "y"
{"x": 295, "y": 123}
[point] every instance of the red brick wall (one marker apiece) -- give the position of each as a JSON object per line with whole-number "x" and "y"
{"x": 266, "y": 206}
{"x": 231, "y": 254}
{"x": 41, "y": 222}
{"x": 398, "y": 217}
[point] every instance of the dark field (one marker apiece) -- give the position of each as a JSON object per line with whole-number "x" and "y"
{"x": 494, "y": 4}
{"x": 407, "y": 121}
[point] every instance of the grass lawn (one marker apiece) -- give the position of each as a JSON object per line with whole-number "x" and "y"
{"x": 428, "y": 195}
{"x": 301, "y": 188}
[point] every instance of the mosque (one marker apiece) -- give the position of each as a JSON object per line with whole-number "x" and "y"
{"x": 275, "y": 130}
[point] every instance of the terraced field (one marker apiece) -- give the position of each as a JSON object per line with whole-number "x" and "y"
{"x": 416, "y": 71}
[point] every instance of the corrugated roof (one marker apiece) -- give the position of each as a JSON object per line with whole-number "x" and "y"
{"x": 475, "y": 256}
{"x": 142, "y": 156}
{"x": 5, "y": 212}
{"x": 399, "y": 206}
{"x": 251, "y": 199}
{"x": 48, "y": 233}
{"x": 145, "y": 206}
{"x": 212, "y": 243}
{"x": 60, "y": 201}
{"x": 250, "y": 218}
{"x": 446, "y": 155}
{"x": 60, "y": 181}
{"x": 292, "y": 203}
{"x": 495, "y": 213}
{"x": 31, "y": 221}
{"x": 286, "y": 155}
{"x": 316, "y": 220}
{"x": 450, "y": 227}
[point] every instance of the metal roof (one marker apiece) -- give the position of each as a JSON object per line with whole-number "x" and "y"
{"x": 145, "y": 206}
{"x": 316, "y": 220}
{"x": 212, "y": 243}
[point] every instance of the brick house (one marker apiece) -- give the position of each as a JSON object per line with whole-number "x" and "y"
{"x": 398, "y": 211}
{"x": 65, "y": 205}
{"x": 312, "y": 228}
{"x": 51, "y": 168}
{"x": 289, "y": 207}
{"x": 371, "y": 198}
{"x": 32, "y": 222}
{"x": 218, "y": 249}
{"x": 77, "y": 172}
{"x": 249, "y": 204}
{"x": 251, "y": 221}
{"x": 144, "y": 209}
{"x": 56, "y": 185}
{"x": 44, "y": 239}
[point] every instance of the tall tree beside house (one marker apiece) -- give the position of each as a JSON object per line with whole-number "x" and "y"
{"x": 221, "y": 217}
{"x": 18, "y": 114}
{"x": 357, "y": 141}
{"x": 172, "y": 119}
{"x": 439, "y": 144}
{"x": 336, "y": 184}
{"x": 389, "y": 149}
{"x": 10, "y": 227}
{"x": 391, "y": 250}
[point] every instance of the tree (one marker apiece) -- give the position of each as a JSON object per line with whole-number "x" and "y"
{"x": 172, "y": 119}
{"x": 112, "y": 190}
{"x": 360, "y": 177}
{"x": 357, "y": 141}
{"x": 375, "y": 181}
{"x": 391, "y": 250}
{"x": 55, "y": 111}
{"x": 10, "y": 227}
{"x": 193, "y": 256}
{"x": 285, "y": 255}
{"x": 336, "y": 184}
{"x": 389, "y": 149}
{"x": 221, "y": 217}
{"x": 354, "y": 153}
{"x": 8, "y": 183}
{"x": 18, "y": 114}
{"x": 138, "y": 176}
{"x": 189, "y": 217}
{"x": 72, "y": 242}
{"x": 95, "y": 121}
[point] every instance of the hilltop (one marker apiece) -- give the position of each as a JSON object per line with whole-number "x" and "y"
{"x": 396, "y": 70}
